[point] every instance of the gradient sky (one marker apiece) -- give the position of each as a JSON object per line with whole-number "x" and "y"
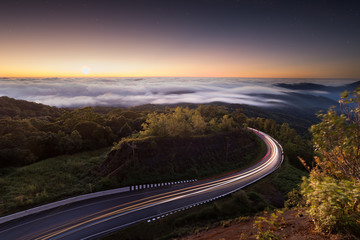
{"x": 197, "y": 38}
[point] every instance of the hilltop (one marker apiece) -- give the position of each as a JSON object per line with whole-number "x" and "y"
{"x": 10, "y": 107}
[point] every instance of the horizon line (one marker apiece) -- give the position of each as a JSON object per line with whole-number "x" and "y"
{"x": 350, "y": 78}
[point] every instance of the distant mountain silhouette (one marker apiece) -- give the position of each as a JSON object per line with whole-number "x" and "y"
{"x": 301, "y": 86}
{"x": 353, "y": 85}
{"x": 318, "y": 87}
{"x": 299, "y": 100}
{"x": 331, "y": 92}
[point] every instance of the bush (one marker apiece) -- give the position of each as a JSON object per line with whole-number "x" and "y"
{"x": 337, "y": 139}
{"x": 295, "y": 199}
{"x": 267, "y": 225}
{"x": 333, "y": 204}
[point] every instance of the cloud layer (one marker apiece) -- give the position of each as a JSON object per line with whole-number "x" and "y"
{"x": 77, "y": 92}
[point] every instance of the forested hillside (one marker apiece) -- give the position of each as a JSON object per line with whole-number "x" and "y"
{"x": 179, "y": 143}
{"x": 31, "y": 131}
{"x": 182, "y": 143}
{"x": 10, "y": 107}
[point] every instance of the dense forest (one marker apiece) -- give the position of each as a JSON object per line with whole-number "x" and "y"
{"x": 35, "y": 132}
{"x": 31, "y": 132}
{"x": 178, "y": 143}
{"x": 181, "y": 143}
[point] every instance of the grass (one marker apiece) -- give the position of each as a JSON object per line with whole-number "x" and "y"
{"x": 288, "y": 178}
{"x": 277, "y": 185}
{"x": 65, "y": 176}
{"x": 49, "y": 180}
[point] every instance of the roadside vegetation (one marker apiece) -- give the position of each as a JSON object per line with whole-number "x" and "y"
{"x": 331, "y": 194}
{"x": 182, "y": 143}
{"x": 50, "y": 180}
{"x": 267, "y": 194}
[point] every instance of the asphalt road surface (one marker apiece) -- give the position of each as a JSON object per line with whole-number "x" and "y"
{"x": 91, "y": 219}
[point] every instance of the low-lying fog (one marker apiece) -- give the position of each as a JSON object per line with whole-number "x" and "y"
{"x": 77, "y": 92}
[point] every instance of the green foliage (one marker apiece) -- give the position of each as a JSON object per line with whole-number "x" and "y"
{"x": 294, "y": 145}
{"x": 332, "y": 192}
{"x": 295, "y": 199}
{"x": 38, "y": 132}
{"x": 184, "y": 122}
{"x": 333, "y": 204}
{"x": 145, "y": 159}
{"x": 11, "y": 108}
{"x": 288, "y": 178}
{"x": 50, "y": 180}
{"x": 337, "y": 139}
{"x": 227, "y": 123}
{"x": 267, "y": 225}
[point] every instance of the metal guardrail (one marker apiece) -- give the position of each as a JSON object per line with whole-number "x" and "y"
{"x": 88, "y": 196}
{"x": 105, "y": 193}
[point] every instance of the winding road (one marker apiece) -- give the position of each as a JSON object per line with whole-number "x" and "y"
{"x": 93, "y": 218}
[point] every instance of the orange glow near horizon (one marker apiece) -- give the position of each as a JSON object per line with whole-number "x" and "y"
{"x": 203, "y": 63}
{"x": 181, "y": 71}
{"x": 178, "y": 39}
{"x": 163, "y": 56}
{"x": 54, "y": 57}
{"x": 166, "y": 62}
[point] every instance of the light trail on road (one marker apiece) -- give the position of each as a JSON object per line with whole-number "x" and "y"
{"x": 149, "y": 204}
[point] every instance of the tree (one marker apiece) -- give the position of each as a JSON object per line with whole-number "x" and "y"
{"x": 337, "y": 139}
{"x": 178, "y": 122}
{"x": 76, "y": 140}
{"x": 239, "y": 117}
{"x": 227, "y": 123}
{"x": 198, "y": 122}
{"x": 155, "y": 125}
{"x": 125, "y": 130}
{"x": 183, "y": 122}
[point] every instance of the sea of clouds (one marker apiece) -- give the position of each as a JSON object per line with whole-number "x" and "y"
{"x": 78, "y": 92}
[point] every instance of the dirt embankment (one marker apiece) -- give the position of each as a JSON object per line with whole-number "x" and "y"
{"x": 297, "y": 226}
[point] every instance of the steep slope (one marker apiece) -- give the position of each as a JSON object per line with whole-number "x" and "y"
{"x": 155, "y": 158}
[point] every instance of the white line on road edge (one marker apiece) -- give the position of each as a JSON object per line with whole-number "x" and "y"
{"x": 80, "y": 198}
{"x": 62, "y": 203}
{"x": 228, "y": 193}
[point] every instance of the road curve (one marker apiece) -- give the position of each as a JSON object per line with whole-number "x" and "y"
{"x": 96, "y": 217}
